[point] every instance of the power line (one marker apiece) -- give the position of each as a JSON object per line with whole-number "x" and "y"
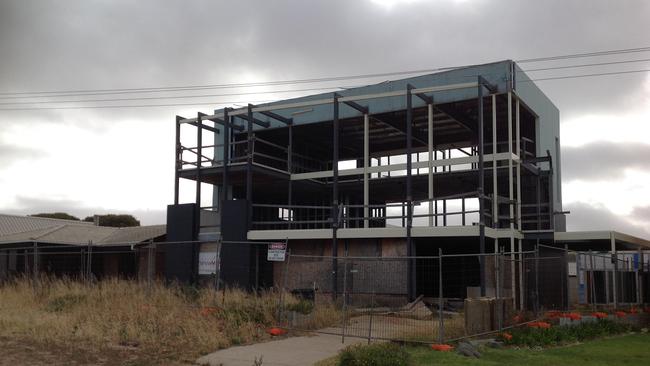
{"x": 281, "y": 91}
{"x": 268, "y": 101}
{"x": 324, "y": 79}
{"x": 179, "y": 96}
{"x": 136, "y": 105}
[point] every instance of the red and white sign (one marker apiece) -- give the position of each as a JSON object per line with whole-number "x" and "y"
{"x": 276, "y": 252}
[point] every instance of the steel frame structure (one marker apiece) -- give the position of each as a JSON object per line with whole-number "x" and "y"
{"x": 240, "y": 141}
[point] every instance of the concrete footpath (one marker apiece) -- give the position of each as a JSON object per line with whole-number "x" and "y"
{"x": 293, "y": 351}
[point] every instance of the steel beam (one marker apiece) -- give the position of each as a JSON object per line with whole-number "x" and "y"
{"x": 277, "y": 117}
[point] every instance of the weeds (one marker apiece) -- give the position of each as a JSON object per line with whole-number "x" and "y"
{"x": 175, "y": 321}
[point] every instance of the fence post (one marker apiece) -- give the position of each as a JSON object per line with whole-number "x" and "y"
{"x": 284, "y": 286}
{"x": 441, "y": 330}
{"x": 566, "y": 277}
{"x": 592, "y": 288}
{"x": 606, "y": 272}
{"x": 345, "y": 298}
{"x": 257, "y": 267}
{"x": 35, "y": 260}
{"x": 536, "y": 280}
{"x": 89, "y": 260}
{"x": 217, "y": 270}
{"x": 149, "y": 265}
{"x": 639, "y": 276}
{"x": 497, "y": 288}
{"x": 372, "y": 301}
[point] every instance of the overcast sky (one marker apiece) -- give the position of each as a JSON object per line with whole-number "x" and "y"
{"x": 87, "y": 161}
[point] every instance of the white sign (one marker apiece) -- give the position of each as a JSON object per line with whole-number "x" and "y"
{"x": 276, "y": 252}
{"x": 207, "y": 263}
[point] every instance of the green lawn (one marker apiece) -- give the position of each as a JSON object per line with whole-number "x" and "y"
{"x": 632, "y": 349}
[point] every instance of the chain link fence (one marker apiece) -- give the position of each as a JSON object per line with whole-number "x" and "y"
{"x": 368, "y": 297}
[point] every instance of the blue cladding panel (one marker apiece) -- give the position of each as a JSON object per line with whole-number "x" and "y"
{"x": 495, "y": 73}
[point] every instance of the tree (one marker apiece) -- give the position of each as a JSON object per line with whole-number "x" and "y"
{"x": 115, "y": 220}
{"x": 57, "y": 215}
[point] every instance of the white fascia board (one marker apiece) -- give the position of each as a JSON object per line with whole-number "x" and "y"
{"x": 289, "y": 234}
{"x": 402, "y": 166}
{"x": 444, "y": 231}
{"x": 503, "y": 233}
{"x": 378, "y": 232}
{"x": 582, "y": 235}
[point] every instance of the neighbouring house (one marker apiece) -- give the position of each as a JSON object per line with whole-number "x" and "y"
{"x": 74, "y": 248}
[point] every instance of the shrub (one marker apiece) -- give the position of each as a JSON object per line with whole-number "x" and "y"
{"x": 378, "y": 354}
{"x": 533, "y": 337}
{"x": 303, "y": 307}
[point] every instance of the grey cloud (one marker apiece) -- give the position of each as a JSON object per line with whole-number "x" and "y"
{"x": 642, "y": 213}
{"x": 603, "y": 160}
{"x": 584, "y": 216}
{"x": 26, "y": 205}
{"x": 92, "y": 44}
{"x": 10, "y": 154}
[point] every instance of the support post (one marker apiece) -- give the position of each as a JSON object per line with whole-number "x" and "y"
{"x": 510, "y": 191}
{"x": 335, "y": 192}
{"x": 366, "y": 157}
{"x": 409, "y": 193}
{"x": 177, "y": 160}
{"x": 481, "y": 186}
{"x": 226, "y": 159}
{"x": 519, "y": 200}
{"x": 430, "y": 148}
{"x": 290, "y": 170}
{"x": 199, "y": 159}
{"x": 495, "y": 185}
{"x": 249, "y": 166}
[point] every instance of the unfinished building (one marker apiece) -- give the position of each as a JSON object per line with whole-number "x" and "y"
{"x": 463, "y": 161}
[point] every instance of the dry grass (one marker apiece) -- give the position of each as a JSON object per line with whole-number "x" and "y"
{"x": 172, "y": 322}
{"x": 454, "y": 327}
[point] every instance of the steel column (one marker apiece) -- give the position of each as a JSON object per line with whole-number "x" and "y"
{"x": 481, "y": 186}
{"x": 430, "y": 148}
{"x": 366, "y": 153}
{"x": 495, "y": 186}
{"x": 510, "y": 193}
{"x": 177, "y": 160}
{"x": 410, "y": 252}
{"x": 249, "y": 166}
{"x": 335, "y": 192}
{"x": 226, "y": 158}
{"x": 199, "y": 158}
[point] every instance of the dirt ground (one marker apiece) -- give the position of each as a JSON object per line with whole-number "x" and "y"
{"x": 26, "y": 352}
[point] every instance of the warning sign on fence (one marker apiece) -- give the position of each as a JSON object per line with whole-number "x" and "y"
{"x": 276, "y": 252}
{"x": 208, "y": 264}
